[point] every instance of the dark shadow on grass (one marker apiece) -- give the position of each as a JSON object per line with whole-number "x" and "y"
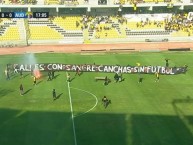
{"x": 55, "y": 128}
{"x": 188, "y": 120}
{"x": 122, "y": 80}
{"x": 56, "y": 76}
{"x": 188, "y": 99}
{"x": 39, "y": 82}
{"x": 25, "y": 75}
{"x": 72, "y": 79}
{"x": 4, "y": 92}
{"x": 159, "y": 130}
{"x": 14, "y": 76}
{"x": 101, "y": 129}
{"x": 57, "y": 97}
{"x": 81, "y": 73}
{"x": 27, "y": 91}
{"x": 22, "y": 127}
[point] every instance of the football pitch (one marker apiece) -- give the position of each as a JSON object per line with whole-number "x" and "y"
{"x": 147, "y": 113}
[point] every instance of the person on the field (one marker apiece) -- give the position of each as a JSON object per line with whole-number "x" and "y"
{"x": 53, "y": 76}
{"x": 140, "y": 79}
{"x": 34, "y": 79}
{"x": 15, "y": 68}
{"x": 68, "y": 77}
{"x": 106, "y": 81}
{"x": 49, "y": 76}
{"x": 167, "y": 62}
{"x": 21, "y": 74}
{"x": 7, "y": 74}
{"x": 21, "y": 89}
{"x": 157, "y": 77}
{"x": 105, "y": 101}
{"x": 77, "y": 71}
{"x": 120, "y": 78}
{"x": 116, "y": 77}
{"x": 54, "y": 94}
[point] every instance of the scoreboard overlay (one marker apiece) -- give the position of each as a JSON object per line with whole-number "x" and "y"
{"x": 24, "y": 15}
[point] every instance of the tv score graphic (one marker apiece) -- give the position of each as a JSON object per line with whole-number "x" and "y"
{"x": 24, "y": 14}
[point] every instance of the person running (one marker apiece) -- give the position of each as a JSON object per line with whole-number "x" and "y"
{"x": 157, "y": 77}
{"x": 54, "y": 94}
{"x": 21, "y": 89}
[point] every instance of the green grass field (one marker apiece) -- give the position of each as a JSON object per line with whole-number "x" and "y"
{"x": 140, "y": 114}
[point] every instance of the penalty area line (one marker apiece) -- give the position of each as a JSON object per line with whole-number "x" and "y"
{"x": 72, "y": 114}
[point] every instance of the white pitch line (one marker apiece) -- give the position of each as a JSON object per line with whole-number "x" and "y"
{"x": 72, "y": 115}
{"x": 92, "y": 107}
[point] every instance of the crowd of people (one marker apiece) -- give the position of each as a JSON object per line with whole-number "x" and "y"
{"x": 179, "y": 22}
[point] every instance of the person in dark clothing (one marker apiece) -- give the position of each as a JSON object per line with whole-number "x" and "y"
{"x": 53, "y": 74}
{"x": 21, "y": 89}
{"x": 54, "y": 94}
{"x": 49, "y": 76}
{"x": 7, "y": 74}
{"x": 167, "y": 62}
{"x": 77, "y": 71}
{"x": 105, "y": 101}
{"x": 140, "y": 78}
{"x": 116, "y": 77}
{"x": 21, "y": 74}
{"x": 106, "y": 81}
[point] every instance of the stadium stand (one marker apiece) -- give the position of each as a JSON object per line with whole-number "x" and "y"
{"x": 68, "y": 22}
{"x": 9, "y": 30}
{"x": 100, "y": 20}
{"x": 123, "y": 2}
{"x": 70, "y": 26}
{"x": 52, "y": 2}
{"x": 39, "y": 30}
{"x": 180, "y": 25}
{"x": 12, "y": 33}
{"x": 102, "y": 2}
{"x": 83, "y": 2}
{"x": 55, "y": 28}
{"x": 104, "y": 27}
{"x": 43, "y": 32}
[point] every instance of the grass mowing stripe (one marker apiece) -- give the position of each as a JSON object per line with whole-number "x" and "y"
{"x": 72, "y": 115}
